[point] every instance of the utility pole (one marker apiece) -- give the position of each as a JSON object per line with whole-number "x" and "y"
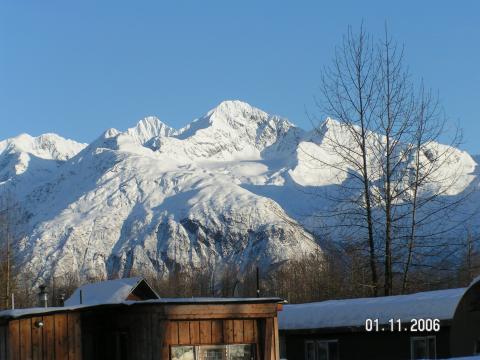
{"x": 7, "y": 286}
{"x": 6, "y": 236}
{"x": 5, "y": 221}
{"x": 258, "y": 282}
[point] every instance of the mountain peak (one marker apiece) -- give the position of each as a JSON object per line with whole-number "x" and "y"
{"x": 236, "y": 109}
{"x": 233, "y": 104}
{"x": 151, "y": 122}
{"x": 330, "y": 123}
{"x": 150, "y": 127}
{"x": 46, "y": 146}
{"x": 235, "y": 187}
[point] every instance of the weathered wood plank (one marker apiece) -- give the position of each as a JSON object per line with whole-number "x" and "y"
{"x": 156, "y": 341}
{"x": 194, "y": 332}
{"x": 14, "y": 338}
{"x": 26, "y": 339}
{"x": 71, "y": 336}
{"x": 140, "y": 341}
{"x": 133, "y": 348}
{"x": 61, "y": 336}
{"x": 269, "y": 353}
{"x": 213, "y": 311}
{"x": 184, "y": 332}
{"x": 173, "y": 333}
{"x": 78, "y": 336}
{"x": 147, "y": 336}
{"x": 163, "y": 326}
{"x": 238, "y": 331}
{"x": 37, "y": 339}
{"x": 228, "y": 331}
{"x": 205, "y": 332}
{"x": 217, "y": 332}
{"x": 74, "y": 337}
{"x": 276, "y": 338}
{"x": 3, "y": 343}
{"x": 248, "y": 332}
{"x": 48, "y": 338}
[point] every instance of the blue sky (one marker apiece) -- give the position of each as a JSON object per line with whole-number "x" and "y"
{"x": 79, "y": 67}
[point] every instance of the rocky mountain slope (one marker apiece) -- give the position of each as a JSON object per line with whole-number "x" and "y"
{"x": 232, "y": 187}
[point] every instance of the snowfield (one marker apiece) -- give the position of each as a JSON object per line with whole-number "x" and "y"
{"x": 232, "y": 187}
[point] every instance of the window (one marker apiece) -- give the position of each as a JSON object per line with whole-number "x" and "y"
{"x": 476, "y": 347}
{"x": 321, "y": 350}
{"x": 183, "y": 353}
{"x": 213, "y": 352}
{"x": 240, "y": 352}
{"x": 423, "y": 347}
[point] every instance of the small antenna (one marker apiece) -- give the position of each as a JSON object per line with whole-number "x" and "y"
{"x": 43, "y": 296}
{"x": 61, "y": 299}
{"x": 81, "y": 297}
{"x": 13, "y": 301}
{"x": 258, "y": 282}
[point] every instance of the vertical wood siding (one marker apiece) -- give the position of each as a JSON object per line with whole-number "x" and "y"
{"x": 212, "y": 332}
{"x": 133, "y": 334}
{"x": 58, "y": 339}
{"x": 3, "y": 342}
{"x": 150, "y": 336}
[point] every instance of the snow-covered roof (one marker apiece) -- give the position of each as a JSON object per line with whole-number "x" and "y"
{"x": 17, "y": 313}
{"x": 104, "y": 292}
{"x": 439, "y": 304}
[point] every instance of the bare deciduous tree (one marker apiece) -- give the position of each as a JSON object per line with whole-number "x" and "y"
{"x": 8, "y": 271}
{"x": 349, "y": 90}
{"x": 385, "y": 152}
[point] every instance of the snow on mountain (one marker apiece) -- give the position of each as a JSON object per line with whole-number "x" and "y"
{"x": 148, "y": 129}
{"x": 316, "y": 149}
{"x": 46, "y": 146}
{"x": 25, "y": 159}
{"x": 152, "y": 197}
{"x": 232, "y": 131}
{"x": 229, "y": 188}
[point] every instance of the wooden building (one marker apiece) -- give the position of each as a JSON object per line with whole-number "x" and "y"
{"x": 176, "y": 329}
{"x": 429, "y": 325}
{"x": 112, "y": 291}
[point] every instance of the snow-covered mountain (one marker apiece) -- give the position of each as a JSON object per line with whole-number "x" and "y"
{"x": 26, "y": 161}
{"x": 232, "y": 187}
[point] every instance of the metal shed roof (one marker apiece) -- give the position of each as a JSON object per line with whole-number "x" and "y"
{"x": 439, "y": 304}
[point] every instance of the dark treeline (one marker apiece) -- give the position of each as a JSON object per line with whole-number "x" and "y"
{"x": 333, "y": 274}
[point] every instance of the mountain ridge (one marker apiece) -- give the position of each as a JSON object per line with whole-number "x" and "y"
{"x": 228, "y": 188}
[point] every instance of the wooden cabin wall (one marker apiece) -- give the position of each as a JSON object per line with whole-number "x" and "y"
{"x": 135, "y": 335}
{"x": 58, "y": 339}
{"x": 211, "y": 332}
{"x": 3, "y": 342}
